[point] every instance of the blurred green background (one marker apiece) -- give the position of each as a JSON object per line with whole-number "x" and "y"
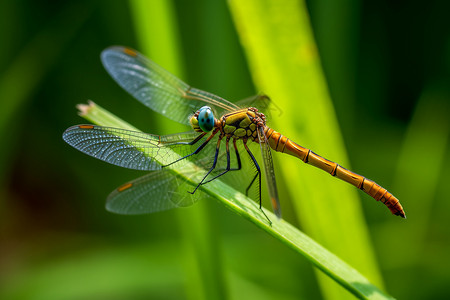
{"x": 387, "y": 66}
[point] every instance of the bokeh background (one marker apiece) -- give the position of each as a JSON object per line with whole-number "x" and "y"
{"x": 387, "y": 67}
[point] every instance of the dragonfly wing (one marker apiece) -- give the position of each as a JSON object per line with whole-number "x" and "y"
{"x": 129, "y": 149}
{"x": 260, "y": 101}
{"x": 157, "y": 191}
{"x": 157, "y": 88}
{"x": 263, "y": 103}
{"x": 269, "y": 172}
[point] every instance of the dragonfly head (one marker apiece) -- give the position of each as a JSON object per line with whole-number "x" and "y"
{"x": 203, "y": 120}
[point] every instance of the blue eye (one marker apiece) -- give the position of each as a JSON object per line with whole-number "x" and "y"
{"x": 205, "y": 119}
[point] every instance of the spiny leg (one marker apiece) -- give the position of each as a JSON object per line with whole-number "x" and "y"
{"x": 213, "y": 166}
{"x": 238, "y": 158}
{"x": 228, "y": 168}
{"x": 251, "y": 183}
{"x": 192, "y": 143}
{"x": 258, "y": 174}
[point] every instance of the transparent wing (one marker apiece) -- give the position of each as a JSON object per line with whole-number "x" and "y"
{"x": 157, "y": 88}
{"x": 157, "y": 191}
{"x": 269, "y": 172}
{"x": 263, "y": 103}
{"x": 129, "y": 149}
{"x": 260, "y": 101}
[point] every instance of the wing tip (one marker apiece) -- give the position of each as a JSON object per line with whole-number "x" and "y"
{"x": 276, "y": 207}
{"x": 118, "y": 49}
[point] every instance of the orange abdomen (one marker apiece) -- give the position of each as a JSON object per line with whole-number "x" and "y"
{"x": 280, "y": 143}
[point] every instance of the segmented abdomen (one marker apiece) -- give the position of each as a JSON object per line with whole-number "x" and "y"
{"x": 280, "y": 143}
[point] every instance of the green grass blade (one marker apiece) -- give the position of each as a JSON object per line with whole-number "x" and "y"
{"x": 329, "y": 263}
{"x": 157, "y": 33}
{"x": 284, "y": 63}
{"x": 156, "y": 30}
{"x": 429, "y": 129}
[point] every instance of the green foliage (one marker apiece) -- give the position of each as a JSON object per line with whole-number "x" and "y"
{"x": 386, "y": 68}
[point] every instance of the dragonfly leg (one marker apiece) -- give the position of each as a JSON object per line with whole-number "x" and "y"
{"x": 194, "y": 141}
{"x": 238, "y": 158}
{"x": 212, "y": 167}
{"x": 198, "y": 149}
{"x": 251, "y": 183}
{"x": 258, "y": 174}
{"x": 228, "y": 168}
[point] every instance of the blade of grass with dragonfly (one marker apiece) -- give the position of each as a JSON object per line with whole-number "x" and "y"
{"x": 329, "y": 263}
{"x": 284, "y": 63}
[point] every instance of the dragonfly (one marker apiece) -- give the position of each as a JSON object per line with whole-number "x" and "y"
{"x": 213, "y": 121}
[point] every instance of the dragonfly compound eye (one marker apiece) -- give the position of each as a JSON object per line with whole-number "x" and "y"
{"x": 205, "y": 119}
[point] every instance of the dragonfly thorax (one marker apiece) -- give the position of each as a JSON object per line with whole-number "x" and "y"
{"x": 242, "y": 123}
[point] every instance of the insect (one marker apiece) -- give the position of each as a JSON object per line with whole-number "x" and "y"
{"x": 214, "y": 121}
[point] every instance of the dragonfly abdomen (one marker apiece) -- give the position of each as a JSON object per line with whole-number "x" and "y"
{"x": 280, "y": 143}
